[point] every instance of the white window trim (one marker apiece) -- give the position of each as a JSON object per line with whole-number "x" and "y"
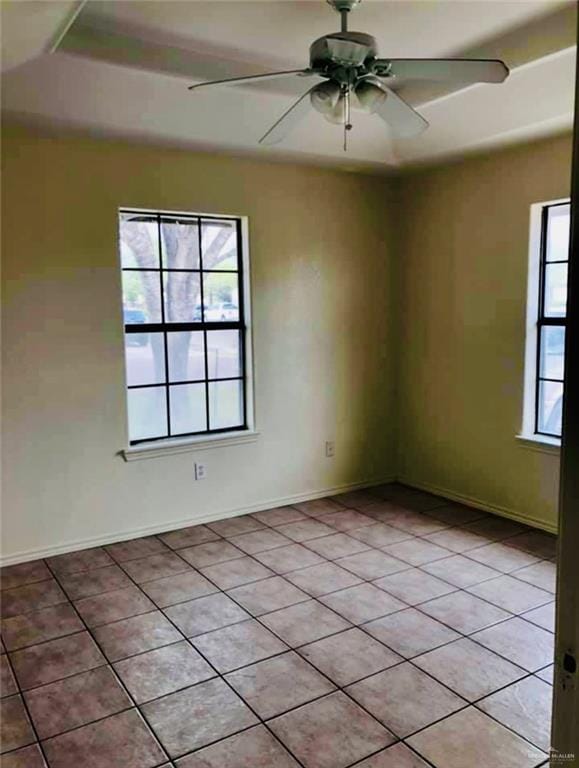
{"x": 173, "y": 445}
{"x": 527, "y": 436}
{"x": 186, "y": 445}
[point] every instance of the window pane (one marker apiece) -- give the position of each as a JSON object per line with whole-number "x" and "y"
{"x": 139, "y": 239}
{"x": 180, "y": 240}
{"x": 147, "y": 413}
{"x": 225, "y": 404}
{"x": 219, "y": 244}
{"x": 186, "y": 359}
{"x": 550, "y": 407}
{"x": 558, "y": 233}
{"x": 220, "y": 296}
{"x": 187, "y": 405}
{"x": 555, "y": 290}
{"x": 552, "y": 352}
{"x": 182, "y": 297}
{"x": 145, "y": 358}
{"x": 223, "y": 354}
{"x": 141, "y": 297}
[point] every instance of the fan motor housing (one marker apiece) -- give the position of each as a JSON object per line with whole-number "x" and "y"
{"x": 342, "y": 49}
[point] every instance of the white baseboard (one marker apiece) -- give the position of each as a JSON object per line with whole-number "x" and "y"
{"x": 480, "y": 504}
{"x": 99, "y": 541}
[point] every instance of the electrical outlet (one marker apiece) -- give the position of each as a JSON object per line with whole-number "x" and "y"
{"x": 330, "y": 449}
{"x": 200, "y": 471}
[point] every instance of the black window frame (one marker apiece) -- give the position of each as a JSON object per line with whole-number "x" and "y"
{"x": 166, "y": 327}
{"x": 544, "y": 321}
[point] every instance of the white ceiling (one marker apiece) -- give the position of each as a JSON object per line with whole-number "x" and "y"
{"x": 122, "y": 69}
{"x": 32, "y": 28}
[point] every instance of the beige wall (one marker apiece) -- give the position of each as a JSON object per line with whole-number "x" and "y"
{"x": 462, "y": 255}
{"x": 323, "y": 347}
{"x": 380, "y": 308}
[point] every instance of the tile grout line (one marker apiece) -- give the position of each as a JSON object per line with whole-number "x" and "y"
{"x": 291, "y": 649}
{"x": 295, "y": 649}
{"x": 218, "y": 675}
{"x": 462, "y": 636}
{"x": 341, "y": 689}
{"x": 114, "y": 672}
{"x": 20, "y": 694}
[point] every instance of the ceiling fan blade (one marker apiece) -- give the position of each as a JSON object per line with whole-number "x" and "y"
{"x": 400, "y": 116}
{"x": 254, "y": 78}
{"x": 288, "y": 121}
{"x": 465, "y": 71}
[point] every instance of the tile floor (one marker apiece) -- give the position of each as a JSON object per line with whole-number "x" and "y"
{"x": 384, "y": 628}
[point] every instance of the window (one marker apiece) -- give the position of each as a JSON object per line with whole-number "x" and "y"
{"x": 547, "y": 318}
{"x": 185, "y": 324}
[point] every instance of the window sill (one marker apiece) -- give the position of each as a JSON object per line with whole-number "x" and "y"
{"x": 541, "y": 443}
{"x": 186, "y": 445}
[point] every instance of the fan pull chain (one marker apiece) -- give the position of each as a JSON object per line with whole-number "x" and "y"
{"x": 347, "y": 123}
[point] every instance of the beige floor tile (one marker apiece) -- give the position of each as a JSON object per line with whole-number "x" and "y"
{"x": 460, "y": 571}
{"x": 511, "y": 594}
{"x": 210, "y": 552}
{"x": 336, "y": 545}
{"x": 279, "y": 516}
{"x": 304, "y": 623}
{"x": 495, "y": 528}
{"x": 543, "y": 545}
{"x": 463, "y": 612}
{"x": 346, "y": 519}
{"x": 380, "y": 535}
{"x": 238, "y": 645}
{"x": 415, "y": 522}
{"x": 470, "y": 739}
{"x": 276, "y": 685}
{"x": 356, "y": 499}
{"x": 501, "y": 557}
{"x": 416, "y": 551}
{"x": 349, "y": 656}
{"x": 206, "y": 614}
{"x": 234, "y": 573}
{"x": 543, "y": 575}
{"x": 397, "y": 756}
{"x": 156, "y": 673}
{"x": 234, "y": 526}
{"x": 524, "y": 707}
{"x": 322, "y": 579}
{"x": 290, "y": 558}
{"x": 410, "y": 632}
{"x": 218, "y": 712}
{"x": 458, "y": 539}
{"x": 457, "y": 514}
{"x": 250, "y": 749}
{"x": 305, "y": 530}
{"x": 414, "y": 586}
{"x": 546, "y": 674}
{"x": 259, "y": 541}
{"x": 469, "y": 669}
{"x": 316, "y": 507}
{"x": 332, "y": 732}
{"x": 372, "y": 564}
{"x": 525, "y": 644}
{"x": 267, "y": 595}
{"x": 362, "y": 603}
{"x": 405, "y": 699}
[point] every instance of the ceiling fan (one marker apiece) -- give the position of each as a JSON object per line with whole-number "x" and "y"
{"x": 348, "y": 64}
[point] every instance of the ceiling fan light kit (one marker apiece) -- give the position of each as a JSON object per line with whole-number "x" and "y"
{"x": 370, "y": 95}
{"x": 324, "y": 97}
{"x": 349, "y": 64}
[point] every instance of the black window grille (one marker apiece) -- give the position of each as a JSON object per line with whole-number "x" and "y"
{"x": 552, "y": 319}
{"x": 184, "y": 318}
